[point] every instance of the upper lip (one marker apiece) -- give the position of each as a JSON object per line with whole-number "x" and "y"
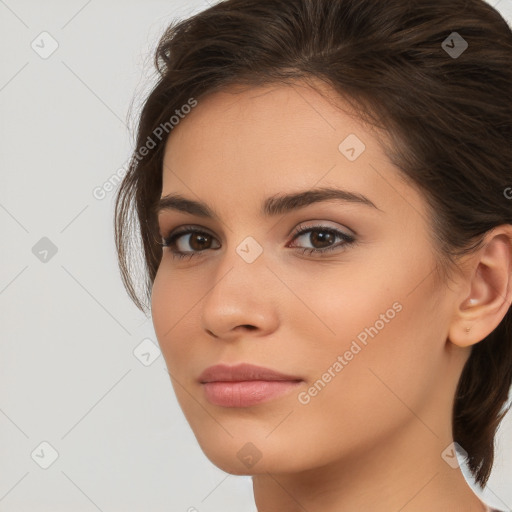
{"x": 242, "y": 372}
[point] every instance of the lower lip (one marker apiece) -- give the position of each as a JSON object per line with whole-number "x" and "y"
{"x": 246, "y": 393}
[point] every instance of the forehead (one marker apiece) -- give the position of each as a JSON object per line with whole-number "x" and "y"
{"x": 270, "y": 139}
{"x": 278, "y": 117}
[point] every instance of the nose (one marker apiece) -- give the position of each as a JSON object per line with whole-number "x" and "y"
{"x": 242, "y": 299}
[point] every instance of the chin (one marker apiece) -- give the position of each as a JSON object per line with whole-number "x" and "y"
{"x": 240, "y": 456}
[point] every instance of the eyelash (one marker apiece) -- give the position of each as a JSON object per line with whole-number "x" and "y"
{"x": 348, "y": 240}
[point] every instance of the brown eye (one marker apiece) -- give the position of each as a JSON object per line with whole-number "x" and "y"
{"x": 322, "y": 239}
{"x": 188, "y": 241}
{"x": 199, "y": 241}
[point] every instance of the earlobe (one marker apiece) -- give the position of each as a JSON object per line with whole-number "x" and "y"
{"x": 490, "y": 284}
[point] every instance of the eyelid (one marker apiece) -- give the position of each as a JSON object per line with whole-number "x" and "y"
{"x": 347, "y": 240}
{"x": 297, "y": 230}
{"x": 187, "y": 229}
{"x": 299, "y": 227}
{"x": 303, "y": 226}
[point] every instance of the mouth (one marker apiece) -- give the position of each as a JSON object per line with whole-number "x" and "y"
{"x": 242, "y": 372}
{"x": 246, "y": 393}
{"x": 245, "y": 384}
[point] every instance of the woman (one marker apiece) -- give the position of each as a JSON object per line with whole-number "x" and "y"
{"x": 323, "y": 192}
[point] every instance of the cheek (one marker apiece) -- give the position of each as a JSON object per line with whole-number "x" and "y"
{"x": 175, "y": 321}
{"x": 383, "y": 323}
{"x": 175, "y": 295}
{"x": 173, "y": 300}
{"x": 163, "y": 311}
{"x": 360, "y": 400}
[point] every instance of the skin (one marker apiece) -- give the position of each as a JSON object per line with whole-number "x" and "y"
{"x": 373, "y": 437}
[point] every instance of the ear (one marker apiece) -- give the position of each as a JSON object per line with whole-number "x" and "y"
{"x": 489, "y": 280}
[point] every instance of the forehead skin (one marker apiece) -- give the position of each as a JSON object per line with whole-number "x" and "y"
{"x": 252, "y": 143}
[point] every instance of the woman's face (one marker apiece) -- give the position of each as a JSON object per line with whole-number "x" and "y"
{"x": 362, "y": 325}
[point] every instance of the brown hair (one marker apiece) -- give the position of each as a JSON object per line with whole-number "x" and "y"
{"x": 449, "y": 118}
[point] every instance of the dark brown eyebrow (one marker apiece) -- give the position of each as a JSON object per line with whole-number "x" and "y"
{"x": 272, "y": 206}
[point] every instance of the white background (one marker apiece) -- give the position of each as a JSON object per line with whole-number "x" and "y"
{"x": 68, "y": 373}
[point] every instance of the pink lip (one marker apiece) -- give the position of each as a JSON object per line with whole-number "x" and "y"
{"x": 244, "y": 385}
{"x": 242, "y": 372}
